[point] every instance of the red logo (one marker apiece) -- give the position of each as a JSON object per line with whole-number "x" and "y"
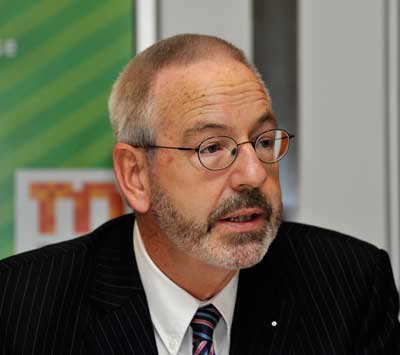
{"x": 47, "y": 193}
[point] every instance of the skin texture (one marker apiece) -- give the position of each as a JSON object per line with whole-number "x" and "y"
{"x": 176, "y": 199}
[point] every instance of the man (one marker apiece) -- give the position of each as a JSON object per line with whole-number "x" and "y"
{"x": 197, "y": 159}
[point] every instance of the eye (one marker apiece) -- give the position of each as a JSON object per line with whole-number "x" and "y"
{"x": 210, "y": 148}
{"x": 266, "y": 143}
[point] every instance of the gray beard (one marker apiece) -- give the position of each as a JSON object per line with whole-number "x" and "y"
{"x": 236, "y": 250}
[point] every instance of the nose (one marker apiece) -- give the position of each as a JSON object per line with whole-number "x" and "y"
{"x": 247, "y": 170}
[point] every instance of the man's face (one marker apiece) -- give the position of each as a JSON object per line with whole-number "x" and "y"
{"x": 226, "y": 218}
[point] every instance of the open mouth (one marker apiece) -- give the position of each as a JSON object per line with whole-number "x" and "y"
{"x": 242, "y": 218}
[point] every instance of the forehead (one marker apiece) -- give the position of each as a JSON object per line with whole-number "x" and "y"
{"x": 209, "y": 93}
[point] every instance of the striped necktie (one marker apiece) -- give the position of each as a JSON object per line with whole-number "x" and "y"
{"x": 203, "y": 324}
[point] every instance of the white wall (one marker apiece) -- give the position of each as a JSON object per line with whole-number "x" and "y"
{"x": 343, "y": 117}
{"x": 229, "y": 19}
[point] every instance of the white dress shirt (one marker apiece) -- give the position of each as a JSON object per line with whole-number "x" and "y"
{"x": 172, "y": 308}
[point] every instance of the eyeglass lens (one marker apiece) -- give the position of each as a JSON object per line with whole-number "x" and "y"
{"x": 218, "y": 153}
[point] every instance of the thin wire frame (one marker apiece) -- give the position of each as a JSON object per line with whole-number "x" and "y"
{"x": 254, "y": 143}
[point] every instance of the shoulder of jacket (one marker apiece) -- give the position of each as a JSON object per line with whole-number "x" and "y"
{"x": 77, "y": 246}
{"x": 299, "y": 233}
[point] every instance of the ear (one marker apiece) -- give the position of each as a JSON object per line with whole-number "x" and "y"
{"x": 131, "y": 171}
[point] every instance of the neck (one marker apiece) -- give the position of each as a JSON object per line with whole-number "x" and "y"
{"x": 201, "y": 280}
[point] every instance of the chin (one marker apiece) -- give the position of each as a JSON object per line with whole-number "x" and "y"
{"x": 248, "y": 255}
{"x": 236, "y": 251}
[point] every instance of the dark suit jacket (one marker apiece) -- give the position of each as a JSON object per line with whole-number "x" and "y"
{"x": 327, "y": 293}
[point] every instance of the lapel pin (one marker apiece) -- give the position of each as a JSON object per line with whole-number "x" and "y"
{"x": 274, "y": 323}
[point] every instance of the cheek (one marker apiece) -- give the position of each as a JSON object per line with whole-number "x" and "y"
{"x": 191, "y": 191}
{"x": 199, "y": 199}
{"x": 272, "y": 187}
{"x": 162, "y": 162}
{"x": 273, "y": 170}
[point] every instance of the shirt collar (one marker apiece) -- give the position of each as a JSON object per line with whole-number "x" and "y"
{"x": 166, "y": 299}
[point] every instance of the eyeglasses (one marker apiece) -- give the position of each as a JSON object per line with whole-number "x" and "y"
{"x": 217, "y": 153}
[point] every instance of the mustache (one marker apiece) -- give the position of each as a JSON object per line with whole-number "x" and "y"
{"x": 246, "y": 198}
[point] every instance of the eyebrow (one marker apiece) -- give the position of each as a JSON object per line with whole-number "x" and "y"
{"x": 205, "y": 126}
{"x": 268, "y": 117}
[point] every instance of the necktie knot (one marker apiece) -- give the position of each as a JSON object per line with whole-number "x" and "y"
{"x": 203, "y": 324}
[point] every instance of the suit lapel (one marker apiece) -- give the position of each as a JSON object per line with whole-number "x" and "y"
{"x": 120, "y": 319}
{"x": 265, "y": 311}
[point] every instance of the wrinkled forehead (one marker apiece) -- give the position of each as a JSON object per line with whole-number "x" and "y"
{"x": 207, "y": 90}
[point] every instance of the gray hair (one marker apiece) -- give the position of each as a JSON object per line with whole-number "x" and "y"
{"x": 131, "y": 105}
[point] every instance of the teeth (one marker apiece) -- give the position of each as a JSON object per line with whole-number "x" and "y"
{"x": 241, "y": 218}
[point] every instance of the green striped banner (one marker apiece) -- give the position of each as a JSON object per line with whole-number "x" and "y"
{"x": 58, "y": 60}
